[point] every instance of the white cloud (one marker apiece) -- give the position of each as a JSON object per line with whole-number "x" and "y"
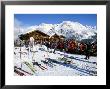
{"x": 19, "y": 28}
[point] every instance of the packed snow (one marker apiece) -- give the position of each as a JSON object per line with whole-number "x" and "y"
{"x": 51, "y": 64}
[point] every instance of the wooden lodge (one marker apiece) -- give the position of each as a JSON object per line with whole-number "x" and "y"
{"x": 37, "y": 35}
{"x": 56, "y": 38}
{"x": 71, "y": 45}
{"x": 41, "y": 37}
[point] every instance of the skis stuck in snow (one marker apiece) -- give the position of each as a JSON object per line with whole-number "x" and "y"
{"x": 39, "y": 60}
{"x": 15, "y": 67}
{"x": 30, "y": 66}
{"x": 39, "y": 65}
{"x": 48, "y": 62}
{"x": 18, "y": 72}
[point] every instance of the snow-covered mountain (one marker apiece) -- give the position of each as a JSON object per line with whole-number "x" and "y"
{"x": 69, "y": 29}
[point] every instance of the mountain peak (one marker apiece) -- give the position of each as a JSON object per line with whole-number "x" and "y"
{"x": 69, "y": 29}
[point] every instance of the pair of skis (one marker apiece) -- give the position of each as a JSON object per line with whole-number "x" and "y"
{"x": 65, "y": 60}
{"x": 23, "y": 71}
{"x": 30, "y": 66}
{"x": 39, "y": 65}
{"x": 34, "y": 63}
{"x": 47, "y": 63}
{"x": 19, "y": 72}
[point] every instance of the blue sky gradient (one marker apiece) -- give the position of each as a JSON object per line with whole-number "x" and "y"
{"x": 36, "y": 19}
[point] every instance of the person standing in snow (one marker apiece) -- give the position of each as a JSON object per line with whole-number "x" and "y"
{"x": 47, "y": 45}
{"x": 65, "y": 47}
{"x": 87, "y": 51}
{"x": 31, "y": 42}
{"x": 55, "y": 46}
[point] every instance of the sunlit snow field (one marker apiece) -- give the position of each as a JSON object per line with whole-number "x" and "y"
{"x": 79, "y": 66}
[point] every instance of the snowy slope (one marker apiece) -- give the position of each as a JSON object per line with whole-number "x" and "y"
{"x": 79, "y": 67}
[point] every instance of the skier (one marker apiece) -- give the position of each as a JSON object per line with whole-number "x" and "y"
{"x": 47, "y": 45}
{"x": 66, "y": 45}
{"x": 55, "y": 46}
{"x": 64, "y": 48}
{"x": 88, "y": 47}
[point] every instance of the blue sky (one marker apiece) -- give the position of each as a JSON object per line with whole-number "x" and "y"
{"x": 36, "y": 19}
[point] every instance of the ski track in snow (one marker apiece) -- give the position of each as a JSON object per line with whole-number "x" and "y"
{"x": 77, "y": 58}
{"x": 81, "y": 67}
{"x": 73, "y": 67}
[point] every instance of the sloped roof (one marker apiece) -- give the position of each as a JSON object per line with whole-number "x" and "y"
{"x": 41, "y": 33}
{"x": 37, "y": 31}
{"x": 55, "y": 35}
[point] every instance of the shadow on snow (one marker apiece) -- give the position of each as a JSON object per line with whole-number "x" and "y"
{"x": 92, "y": 73}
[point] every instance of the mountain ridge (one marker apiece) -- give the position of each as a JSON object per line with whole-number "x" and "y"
{"x": 69, "y": 29}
